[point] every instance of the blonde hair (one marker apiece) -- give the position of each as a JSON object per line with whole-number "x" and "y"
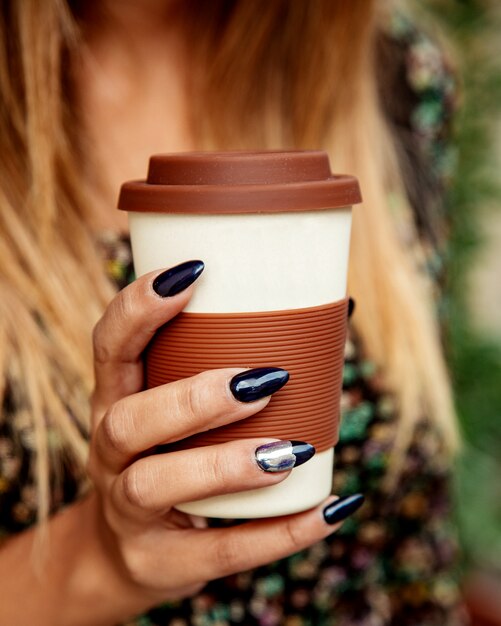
{"x": 272, "y": 74}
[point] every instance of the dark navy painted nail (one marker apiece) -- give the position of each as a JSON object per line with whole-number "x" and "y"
{"x": 258, "y": 383}
{"x": 281, "y": 456}
{"x": 302, "y": 451}
{"x": 351, "y": 307}
{"x": 177, "y": 279}
{"x": 342, "y": 508}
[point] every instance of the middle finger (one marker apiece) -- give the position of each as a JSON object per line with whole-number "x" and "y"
{"x": 179, "y": 409}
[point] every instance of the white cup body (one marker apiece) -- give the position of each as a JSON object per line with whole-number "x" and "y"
{"x": 255, "y": 262}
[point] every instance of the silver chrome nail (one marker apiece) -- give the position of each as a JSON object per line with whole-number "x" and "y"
{"x": 276, "y": 456}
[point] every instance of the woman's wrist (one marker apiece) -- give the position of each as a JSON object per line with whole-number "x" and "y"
{"x": 77, "y": 581}
{"x": 101, "y": 589}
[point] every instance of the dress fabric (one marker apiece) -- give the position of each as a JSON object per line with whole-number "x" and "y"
{"x": 393, "y": 563}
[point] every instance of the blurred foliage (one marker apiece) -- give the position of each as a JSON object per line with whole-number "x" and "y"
{"x": 474, "y": 28}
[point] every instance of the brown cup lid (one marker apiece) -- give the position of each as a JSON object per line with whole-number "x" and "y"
{"x": 240, "y": 182}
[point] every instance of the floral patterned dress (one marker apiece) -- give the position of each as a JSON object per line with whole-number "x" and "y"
{"x": 392, "y": 563}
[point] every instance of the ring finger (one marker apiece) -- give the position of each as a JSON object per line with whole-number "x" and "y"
{"x": 154, "y": 484}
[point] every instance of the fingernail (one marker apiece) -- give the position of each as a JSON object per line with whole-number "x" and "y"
{"x": 177, "y": 279}
{"x": 351, "y": 307}
{"x": 258, "y": 383}
{"x": 342, "y": 508}
{"x": 281, "y": 456}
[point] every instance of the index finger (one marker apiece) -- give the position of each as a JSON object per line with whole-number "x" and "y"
{"x": 128, "y": 325}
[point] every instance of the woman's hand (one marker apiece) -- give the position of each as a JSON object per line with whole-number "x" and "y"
{"x": 124, "y": 548}
{"x": 158, "y": 552}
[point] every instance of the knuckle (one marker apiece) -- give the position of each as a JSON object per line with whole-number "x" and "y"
{"x": 137, "y": 565}
{"x": 116, "y": 318}
{"x": 134, "y": 489}
{"x": 101, "y": 350}
{"x": 214, "y": 469}
{"x": 194, "y": 401}
{"x": 116, "y": 427}
{"x": 189, "y": 401}
{"x": 294, "y": 538}
{"x": 207, "y": 393}
{"x": 201, "y": 398}
{"x": 124, "y": 305}
{"x": 229, "y": 555}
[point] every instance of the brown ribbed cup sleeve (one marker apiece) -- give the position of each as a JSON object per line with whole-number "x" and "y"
{"x": 309, "y": 343}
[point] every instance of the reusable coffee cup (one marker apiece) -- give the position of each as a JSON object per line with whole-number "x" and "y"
{"x": 273, "y": 229}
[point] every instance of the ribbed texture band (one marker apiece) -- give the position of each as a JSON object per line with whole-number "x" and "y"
{"x": 309, "y": 343}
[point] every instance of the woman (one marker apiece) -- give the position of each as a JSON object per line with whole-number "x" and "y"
{"x": 90, "y": 90}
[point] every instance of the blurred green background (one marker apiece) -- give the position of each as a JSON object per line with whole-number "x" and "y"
{"x": 473, "y": 28}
